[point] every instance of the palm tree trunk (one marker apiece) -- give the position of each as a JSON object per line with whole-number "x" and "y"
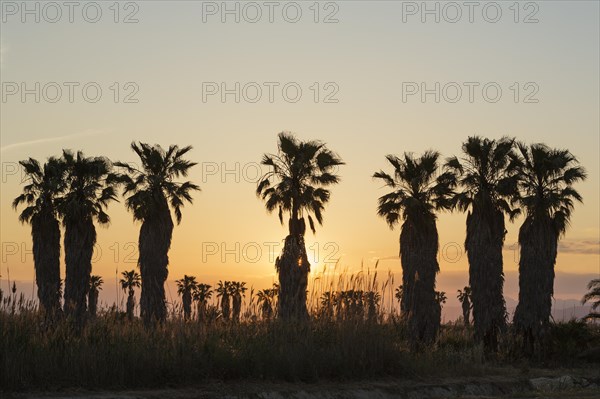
{"x": 466, "y": 310}
{"x": 484, "y": 242}
{"x": 293, "y": 268}
{"x": 80, "y": 238}
{"x": 154, "y": 243}
{"x": 45, "y": 233}
{"x": 93, "y": 302}
{"x": 225, "y": 307}
{"x": 236, "y": 307}
{"x": 418, "y": 253}
{"x": 187, "y": 305}
{"x": 130, "y": 304}
{"x": 538, "y": 240}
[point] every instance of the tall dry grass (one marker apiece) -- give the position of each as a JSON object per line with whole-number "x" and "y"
{"x": 112, "y": 352}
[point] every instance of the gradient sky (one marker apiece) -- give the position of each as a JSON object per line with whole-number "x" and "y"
{"x": 368, "y": 54}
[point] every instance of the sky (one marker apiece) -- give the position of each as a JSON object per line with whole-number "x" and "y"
{"x": 368, "y": 78}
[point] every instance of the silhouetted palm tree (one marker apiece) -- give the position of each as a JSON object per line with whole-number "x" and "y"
{"x": 266, "y": 299}
{"x": 464, "y": 296}
{"x": 295, "y": 185}
{"x": 238, "y": 290}
{"x": 201, "y": 295}
{"x": 43, "y": 186}
{"x": 417, "y": 195}
{"x": 372, "y": 299}
{"x": 593, "y": 296}
{"x": 224, "y": 292}
{"x": 185, "y": 287}
{"x": 398, "y": 295}
{"x": 152, "y": 193}
{"x": 131, "y": 280}
{"x": 86, "y": 197}
{"x": 95, "y": 287}
{"x": 486, "y": 190}
{"x": 546, "y": 196}
{"x": 328, "y": 304}
{"x": 440, "y": 299}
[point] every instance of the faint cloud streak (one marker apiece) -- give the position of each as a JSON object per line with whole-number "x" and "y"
{"x": 87, "y": 133}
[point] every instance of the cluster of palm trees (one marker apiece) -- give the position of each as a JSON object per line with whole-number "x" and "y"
{"x": 350, "y": 305}
{"x": 491, "y": 180}
{"x": 190, "y": 290}
{"x": 76, "y": 190}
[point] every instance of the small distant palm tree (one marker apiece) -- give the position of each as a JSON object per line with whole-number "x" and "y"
{"x": 95, "y": 287}
{"x": 44, "y": 184}
{"x": 185, "y": 287}
{"x": 482, "y": 173}
{"x": 546, "y": 195}
{"x": 201, "y": 295}
{"x": 398, "y": 295}
{"x": 152, "y": 192}
{"x": 266, "y": 299}
{"x": 593, "y": 296}
{"x": 131, "y": 280}
{"x": 440, "y": 299}
{"x": 417, "y": 195}
{"x": 464, "y": 296}
{"x": 224, "y": 292}
{"x": 328, "y": 304}
{"x": 238, "y": 290}
{"x": 372, "y": 300}
{"x": 88, "y": 192}
{"x": 296, "y": 185}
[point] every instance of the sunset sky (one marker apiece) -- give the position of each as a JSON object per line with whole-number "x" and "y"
{"x": 173, "y": 55}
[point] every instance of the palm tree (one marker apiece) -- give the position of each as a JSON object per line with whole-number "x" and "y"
{"x": 266, "y": 299}
{"x": 152, "y": 193}
{"x": 95, "y": 287}
{"x": 372, "y": 299}
{"x": 131, "y": 280}
{"x": 398, "y": 295}
{"x": 417, "y": 194}
{"x": 464, "y": 296}
{"x": 593, "y": 296}
{"x": 185, "y": 287}
{"x": 45, "y": 183}
{"x": 486, "y": 188}
{"x": 295, "y": 185}
{"x": 328, "y": 304}
{"x": 238, "y": 290}
{"x": 224, "y": 291}
{"x": 547, "y": 197}
{"x": 440, "y": 299}
{"x": 201, "y": 295}
{"x": 87, "y": 195}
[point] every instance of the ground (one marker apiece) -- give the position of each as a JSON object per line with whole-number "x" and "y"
{"x": 538, "y": 384}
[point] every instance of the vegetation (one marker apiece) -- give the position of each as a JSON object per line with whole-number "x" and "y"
{"x": 95, "y": 287}
{"x": 152, "y": 193}
{"x": 486, "y": 189}
{"x": 186, "y": 287}
{"x": 464, "y": 297}
{"x": 87, "y": 194}
{"x": 593, "y": 296}
{"x": 44, "y": 184}
{"x": 546, "y": 195}
{"x": 335, "y": 326}
{"x": 202, "y": 294}
{"x": 417, "y": 194}
{"x": 295, "y": 185}
{"x": 113, "y": 352}
{"x": 131, "y": 280}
